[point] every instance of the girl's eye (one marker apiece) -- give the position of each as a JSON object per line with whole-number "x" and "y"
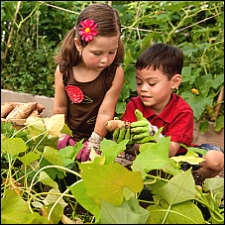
{"x": 152, "y": 84}
{"x": 138, "y": 83}
{"x": 97, "y": 53}
{"x": 112, "y": 53}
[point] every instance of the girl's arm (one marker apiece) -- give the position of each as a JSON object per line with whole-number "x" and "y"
{"x": 60, "y": 101}
{"x": 108, "y": 106}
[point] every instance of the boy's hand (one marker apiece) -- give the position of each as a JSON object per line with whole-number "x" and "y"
{"x": 122, "y": 134}
{"x": 142, "y": 128}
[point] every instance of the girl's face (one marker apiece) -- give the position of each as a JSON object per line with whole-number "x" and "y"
{"x": 100, "y": 52}
{"x": 154, "y": 88}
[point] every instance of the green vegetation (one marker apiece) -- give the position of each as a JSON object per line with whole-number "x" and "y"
{"x": 33, "y": 171}
{"x": 33, "y": 31}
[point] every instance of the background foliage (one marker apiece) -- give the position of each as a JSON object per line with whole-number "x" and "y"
{"x": 32, "y": 33}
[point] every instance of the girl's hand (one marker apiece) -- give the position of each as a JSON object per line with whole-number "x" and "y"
{"x": 84, "y": 153}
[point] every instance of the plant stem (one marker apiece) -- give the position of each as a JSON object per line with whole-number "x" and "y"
{"x": 11, "y": 31}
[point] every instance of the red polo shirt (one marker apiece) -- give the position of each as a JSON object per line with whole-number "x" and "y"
{"x": 176, "y": 118}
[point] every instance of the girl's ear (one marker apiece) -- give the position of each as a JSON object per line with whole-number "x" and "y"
{"x": 176, "y": 81}
{"x": 78, "y": 45}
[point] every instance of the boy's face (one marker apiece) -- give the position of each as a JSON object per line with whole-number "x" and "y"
{"x": 154, "y": 88}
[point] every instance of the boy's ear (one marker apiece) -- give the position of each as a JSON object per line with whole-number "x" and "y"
{"x": 176, "y": 81}
{"x": 77, "y": 44}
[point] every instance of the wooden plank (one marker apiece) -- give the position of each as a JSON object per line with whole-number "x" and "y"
{"x": 209, "y": 137}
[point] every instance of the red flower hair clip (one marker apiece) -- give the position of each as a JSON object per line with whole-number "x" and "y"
{"x": 87, "y": 30}
{"x": 74, "y": 93}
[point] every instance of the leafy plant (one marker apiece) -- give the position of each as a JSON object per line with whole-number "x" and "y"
{"x": 32, "y": 171}
{"x": 32, "y": 32}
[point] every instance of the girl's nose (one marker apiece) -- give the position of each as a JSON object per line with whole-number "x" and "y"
{"x": 104, "y": 60}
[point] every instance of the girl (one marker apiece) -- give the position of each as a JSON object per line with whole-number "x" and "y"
{"x": 89, "y": 78}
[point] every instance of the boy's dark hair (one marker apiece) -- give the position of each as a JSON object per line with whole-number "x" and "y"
{"x": 167, "y": 58}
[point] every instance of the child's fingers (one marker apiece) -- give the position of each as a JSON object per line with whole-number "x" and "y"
{"x": 122, "y": 133}
{"x": 116, "y": 134}
{"x": 138, "y": 130}
{"x": 140, "y": 136}
{"x": 140, "y": 124}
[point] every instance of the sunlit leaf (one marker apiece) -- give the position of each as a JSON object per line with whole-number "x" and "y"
{"x": 190, "y": 159}
{"x": 35, "y": 125}
{"x": 219, "y": 124}
{"x": 182, "y": 213}
{"x": 56, "y": 214}
{"x": 107, "y": 182}
{"x": 52, "y": 198}
{"x": 178, "y": 189}
{"x": 46, "y": 180}
{"x": 55, "y": 124}
{"x": 29, "y": 158}
{"x": 53, "y": 156}
{"x": 13, "y": 146}
{"x": 14, "y": 210}
{"x": 79, "y": 192}
{"x": 130, "y": 212}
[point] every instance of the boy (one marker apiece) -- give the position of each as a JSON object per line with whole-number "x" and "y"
{"x": 158, "y": 72}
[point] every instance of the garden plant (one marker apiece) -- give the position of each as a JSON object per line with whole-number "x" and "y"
{"x": 41, "y": 185}
{"x": 33, "y": 172}
{"x": 32, "y": 33}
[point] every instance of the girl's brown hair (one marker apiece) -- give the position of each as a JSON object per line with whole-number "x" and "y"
{"x": 109, "y": 25}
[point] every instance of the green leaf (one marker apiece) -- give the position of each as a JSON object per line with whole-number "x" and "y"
{"x": 107, "y": 182}
{"x": 120, "y": 107}
{"x": 52, "y": 156}
{"x": 179, "y": 188}
{"x": 46, "y": 180}
{"x": 29, "y": 158}
{"x": 130, "y": 212}
{"x": 127, "y": 59}
{"x": 110, "y": 149}
{"x": 14, "y": 210}
{"x": 204, "y": 126}
{"x": 55, "y": 124}
{"x": 69, "y": 153}
{"x": 193, "y": 160}
{"x": 197, "y": 103}
{"x": 66, "y": 130}
{"x": 53, "y": 196}
{"x": 181, "y": 213}
{"x": 79, "y": 192}
{"x": 157, "y": 152}
{"x": 124, "y": 94}
{"x": 13, "y": 146}
{"x": 35, "y": 125}
{"x": 219, "y": 124}
{"x": 56, "y": 214}
{"x": 216, "y": 186}
{"x": 204, "y": 84}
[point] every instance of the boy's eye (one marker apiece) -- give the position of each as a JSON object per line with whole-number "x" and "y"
{"x": 152, "y": 84}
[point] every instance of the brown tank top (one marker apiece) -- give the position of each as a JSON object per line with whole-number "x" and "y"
{"x": 81, "y": 117}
